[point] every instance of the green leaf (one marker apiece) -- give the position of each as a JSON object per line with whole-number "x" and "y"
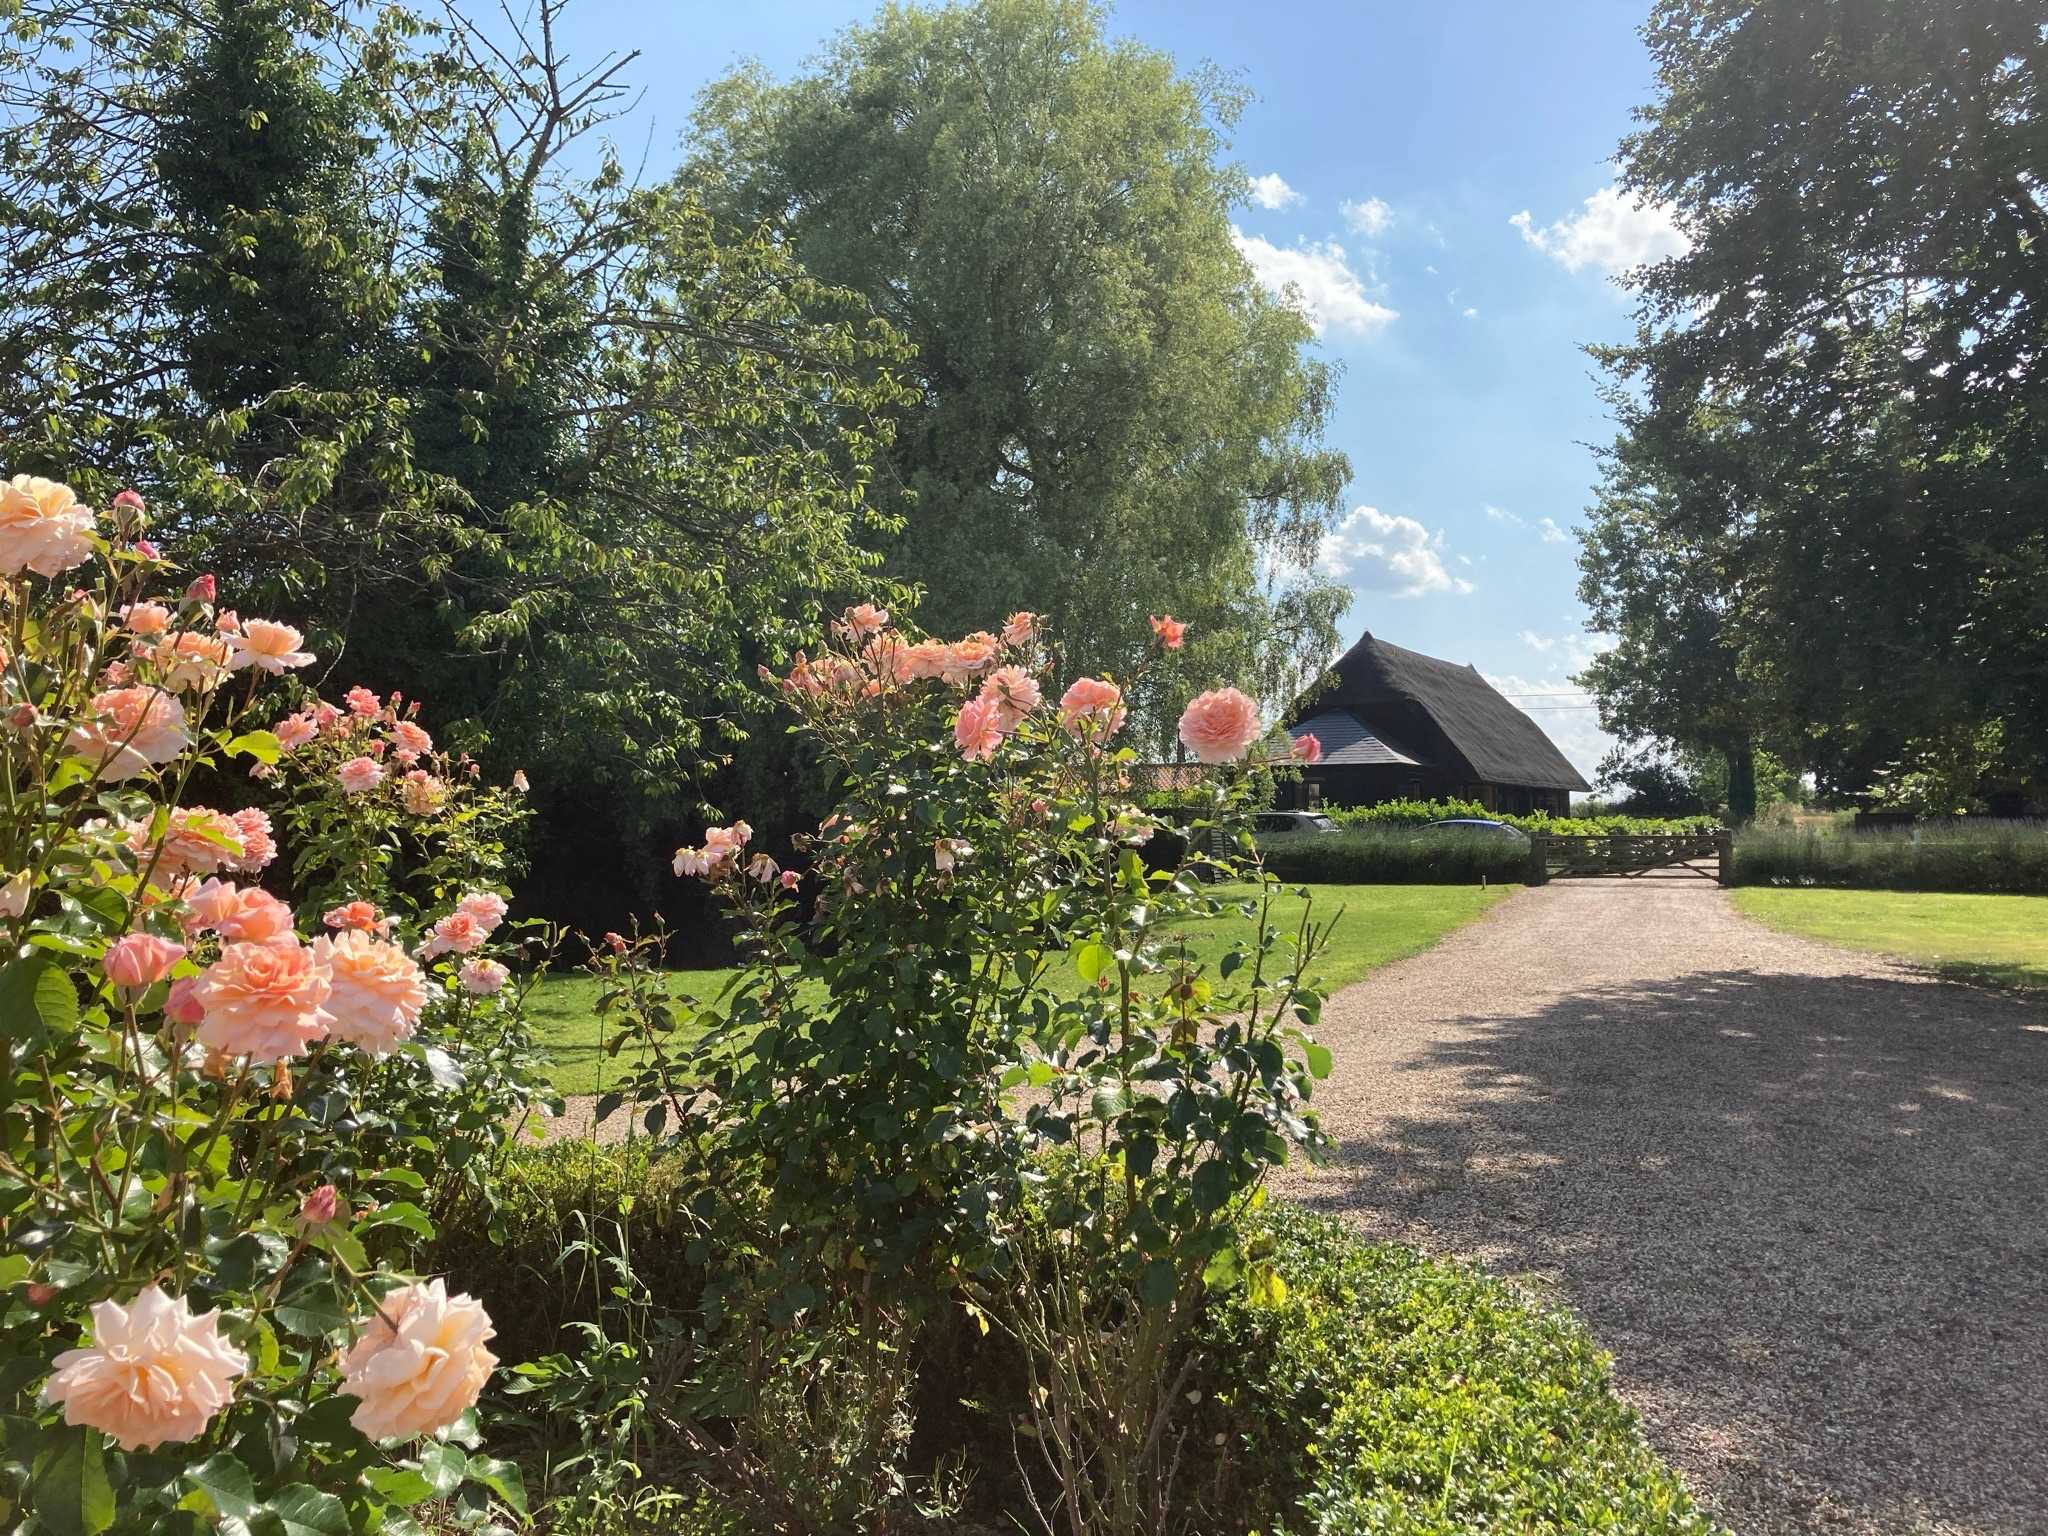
{"x": 226, "y": 1482}
{"x": 1211, "y": 1185}
{"x": 503, "y": 1479}
{"x": 305, "y": 1511}
{"x": 1318, "y": 1057}
{"x": 69, "y": 1484}
{"x": 261, "y": 745}
{"x": 36, "y": 996}
{"x": 1092, "y": 959}
{"x": 312, "y": 1311}
{"x": 1157, "y": 1285}
{"x": 401, "y": 1485}
{"x": 443, "y": 1466}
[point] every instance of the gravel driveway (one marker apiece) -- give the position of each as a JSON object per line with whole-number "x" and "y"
{"x": 1800, "y": 1194}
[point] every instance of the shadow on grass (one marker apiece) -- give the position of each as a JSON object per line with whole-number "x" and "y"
{"x": 1809, "y": 1215}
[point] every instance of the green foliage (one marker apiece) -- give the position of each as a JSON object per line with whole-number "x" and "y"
{"x": 1416, "y": 813}
{"x": 2008, "y": 856}
{"x": 1113, "y": 418}
{"x": 1383, "y": 855}
{"x": 1831, "y": 400}
{"x": 1387, "y": 1392}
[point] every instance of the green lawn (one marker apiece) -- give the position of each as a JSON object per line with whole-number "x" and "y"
{"x": 1381, "y": 923}
{"x": 2001, "y": 940}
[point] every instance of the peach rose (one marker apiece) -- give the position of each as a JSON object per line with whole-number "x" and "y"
{"x": 1020, "y": 628}
{"x": 263, "y": 1001}
{"x": 1308, "y": 748}
{"x": 146, "y": 618}
{"x": 294, "y": 731}
{"x": 948, "y": 851}
{"x": 865, "y": 619}
{"x": 257, "y": 917}
{"x": 420, "y": 1363}
{"x": 1014, "y": 692}
{"x": 1219, "y": 726}
{"x": 132, "y": 730}
{"x": 14, "y": 894}
{"x": 927, "y": 658}
{"x": 357, "y": 914}
{"x": 183, "y": 1006}
{"x": 376, "y": 990}
{"x": 137, "y": 961}
{"x": 362, "y": 703}
{"x": 259, "y": 846}
{"x": 888, "y": 657}
{"x": 1171, "y": 632}
{"x": 487, "y": 907}
{"x": 458, "y": 931}
{"x": 979, "y": 730}
{"x": 196, "y": 840}
{"x": 967, "y": 658}
{"x": 1092, "y": 706}
{"x": 43, "y": 527}
{"x": 269, "y": 646}
{"x": 359, "y": 774}
{"x": 520, "y": 783}
{"x": 410, "y": 741}
{"x": 481, "y": 977}
{"x": 154, "y": 1372}
{"x": 191, "y": 661}
{"x": 421, "y": 793}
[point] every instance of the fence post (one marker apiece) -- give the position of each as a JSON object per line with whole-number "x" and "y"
{"x": 1539, "y": 860}
{"x": 1724, "y": 856}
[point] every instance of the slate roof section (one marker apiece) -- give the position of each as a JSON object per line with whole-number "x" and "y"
{"x": 1499, "y": 743}
{"x": 1348, "y": 739}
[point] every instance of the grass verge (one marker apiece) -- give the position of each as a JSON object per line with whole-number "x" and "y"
{"x": 1990, "y": 940}
{"x": 1381, "y": 924}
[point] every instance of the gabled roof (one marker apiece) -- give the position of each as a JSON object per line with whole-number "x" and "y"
{"x": 1347, "y": 739}
{"x": 1500, "y": 743}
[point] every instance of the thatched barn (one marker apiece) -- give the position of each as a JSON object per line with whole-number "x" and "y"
{"x": 1401, "y": 725}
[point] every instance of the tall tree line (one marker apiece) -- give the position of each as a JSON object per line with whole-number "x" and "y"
{"x": 1823, "y": 524}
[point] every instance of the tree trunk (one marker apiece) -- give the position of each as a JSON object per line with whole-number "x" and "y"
{"x": 1741, "y": 757}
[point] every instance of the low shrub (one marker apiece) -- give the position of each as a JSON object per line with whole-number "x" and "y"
{"x": 1994, "y": 857}
{"x": 1386, "y": 1391}
{"x": 1393, "y": 856}
{"x": 1415, "y": 813}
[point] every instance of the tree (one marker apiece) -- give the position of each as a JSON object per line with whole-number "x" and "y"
{"x": 1113, "y": 419}
{"x": 1861, "y": 301}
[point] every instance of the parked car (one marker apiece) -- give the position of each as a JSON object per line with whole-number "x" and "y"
{"x": 1476, "y": 826}
{"x": 1268, "y": 822}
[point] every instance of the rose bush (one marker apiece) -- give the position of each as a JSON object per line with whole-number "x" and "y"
{"x": 971, "y": 1061}
{"x": 219, "y": 1116}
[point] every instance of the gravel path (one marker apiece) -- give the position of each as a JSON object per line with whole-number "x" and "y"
{"x": 1800, "y": 1194}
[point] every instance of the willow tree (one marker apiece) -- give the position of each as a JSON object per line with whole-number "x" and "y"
{"x": 1112, "y": 419}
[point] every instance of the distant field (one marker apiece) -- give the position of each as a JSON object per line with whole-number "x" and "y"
{"x": 1381, "y": 923}
{"x": 2002, "y": 940}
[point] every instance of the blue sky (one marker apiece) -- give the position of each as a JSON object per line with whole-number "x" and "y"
{"x": 1405, "y": 139}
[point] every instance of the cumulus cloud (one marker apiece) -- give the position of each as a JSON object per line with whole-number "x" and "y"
{"x": 1370, "y": 217}
{"x": 1319, "y": 277}
{"x": 1272, "y": 191}
{"x": 1375, "y": 552}
{"x": 1609, "y": 233}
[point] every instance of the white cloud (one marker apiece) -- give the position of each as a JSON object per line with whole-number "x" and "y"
{"x": 1319, "y": 277}
{"x": 1566, "y": 717}
{"x": 1368, "y": 218}
{"x": 1610, "y": 234}
{"x": 1503, "y": 515}
{"x": 1552, "y": 534}
{"x": 1271, "y": 191}
{"x": 1374, "y": 552}
{"x": 1471, "y": 314}
{"x": 1537, "y": 642}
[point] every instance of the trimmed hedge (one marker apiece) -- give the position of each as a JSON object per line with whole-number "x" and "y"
{"x": 1389, "y": 1393}
{"x": 1393, "y": 856}
{"x": 1991, "y": 857}
{"x": 1415, "y": 813}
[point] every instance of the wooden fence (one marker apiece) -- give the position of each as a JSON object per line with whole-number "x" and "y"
{"x": 1663, "y": 855}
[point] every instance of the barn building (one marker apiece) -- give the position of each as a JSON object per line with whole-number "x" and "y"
{"x": 1400, "y": 725}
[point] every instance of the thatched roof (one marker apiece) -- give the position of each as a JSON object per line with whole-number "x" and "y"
{"x": 1499, "y": 743}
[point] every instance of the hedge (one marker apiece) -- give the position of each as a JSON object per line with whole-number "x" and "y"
{"x": 1393, "y": 856}
{"x": 1413, "y": 813}
{"x": 1994, "y": 857}
{"x": 1389, "y": 1392}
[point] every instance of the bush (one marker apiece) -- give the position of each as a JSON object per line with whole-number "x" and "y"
{"x": 1390, "y": 1392}
{"x": 1995, "y": 857}
{"x": 1392, "y": 856}
{"x": 1415, "y": 813}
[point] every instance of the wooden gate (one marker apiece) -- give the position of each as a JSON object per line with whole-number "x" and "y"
{"x": 1651, "y": 856}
